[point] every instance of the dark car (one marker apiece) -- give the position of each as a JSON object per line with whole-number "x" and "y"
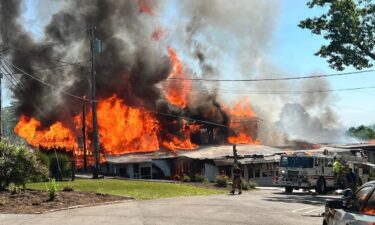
{"x": 357, "y": 208}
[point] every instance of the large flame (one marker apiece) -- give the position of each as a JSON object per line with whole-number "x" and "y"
{"x": 243, "y": 122}
{"x": 177, "y": 92}
{"x": 123, "y": 129}
{"x": 183, "y": 141}
{"x": 56, "y": 136}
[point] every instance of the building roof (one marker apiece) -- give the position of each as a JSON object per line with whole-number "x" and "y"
{"x": 219, "y": 151}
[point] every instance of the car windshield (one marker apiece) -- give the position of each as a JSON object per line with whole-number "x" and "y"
{"x": 302, "y": 162}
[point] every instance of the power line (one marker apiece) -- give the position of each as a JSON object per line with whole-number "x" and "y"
{"x": 190, "y": 119}
{"x": 47, "y": 84}
{"x": 273, "y": 79}
{"x": 277, "y": 92}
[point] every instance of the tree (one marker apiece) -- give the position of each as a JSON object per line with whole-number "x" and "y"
{"x": 362, "y": 132}
{"x": 349, "y": 26}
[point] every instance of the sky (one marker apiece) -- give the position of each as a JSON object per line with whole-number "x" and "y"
{"x": 292, "y": 50}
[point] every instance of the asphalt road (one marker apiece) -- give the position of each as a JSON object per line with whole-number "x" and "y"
{"x": 254, "y": 207}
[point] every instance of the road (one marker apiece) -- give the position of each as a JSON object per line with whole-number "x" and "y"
{"x": 265, "y": 206}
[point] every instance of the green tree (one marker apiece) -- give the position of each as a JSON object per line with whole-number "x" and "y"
{"x": 362, "y": 132}
{"x": 349, "y": 26}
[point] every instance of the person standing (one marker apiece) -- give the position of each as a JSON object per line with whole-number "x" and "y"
{"x": 351, "y": 179}
{"x": 237, "y": 180}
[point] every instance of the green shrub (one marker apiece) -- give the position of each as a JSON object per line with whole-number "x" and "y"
{"x": 14, "y": 189}
{"x": 43, "y": 158}
{"x": 4, "y": 200}
{"x": 185, "y": 178}
{"x": 60, "y": 167}
{"x": 252, "y": 184}
{"x": 19, "y": 165}
{"x": 222, "y": 180}
{"x": 100, "y": 191}
{"x": 52, "y": 189}
{"x": 68, "y": 189}
{"x": 200, "y": 178}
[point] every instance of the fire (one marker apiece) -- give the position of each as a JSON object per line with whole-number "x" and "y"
{"x": 124, "y": 129}
{"x": 243, "y": 122}
{"x": 177, "y": 92}
{"x": 145, "y": 8}
{"x": 372, "y": 141}
{"x": 56, "y": 136}
{"x": 175, "y": 142}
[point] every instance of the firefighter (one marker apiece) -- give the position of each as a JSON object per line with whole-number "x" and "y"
{"x": 351, "y": 179}
{"x": 237, "y": 180}
{"x": 337, "y": 168}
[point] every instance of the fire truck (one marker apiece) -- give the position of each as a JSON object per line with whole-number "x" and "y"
{"x": 307, "y": 170}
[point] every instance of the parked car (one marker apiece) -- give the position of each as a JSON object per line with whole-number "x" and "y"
{"x": 353, "y": 208}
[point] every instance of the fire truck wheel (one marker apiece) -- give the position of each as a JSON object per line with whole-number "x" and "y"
{"x": 321, "y": 186}
{"x": 288, "y": 189}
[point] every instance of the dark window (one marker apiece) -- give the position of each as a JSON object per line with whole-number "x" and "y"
{"x": 370, "y": 206}
{"x": 359, "y": 199}
{"x": 146, "y": 172}
{"x": 251, "y": 172}
{"x": 122, "y": 171}
{"x": 257, "y": 170}
{"x": 303, "y": 162}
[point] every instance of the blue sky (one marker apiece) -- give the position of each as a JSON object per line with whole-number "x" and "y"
{"x": 292, "y": 50}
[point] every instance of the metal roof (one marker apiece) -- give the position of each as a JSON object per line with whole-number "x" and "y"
{"x": 215, "y": 152}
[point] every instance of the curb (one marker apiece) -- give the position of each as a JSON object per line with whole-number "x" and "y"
{"x": 82, "y": 206}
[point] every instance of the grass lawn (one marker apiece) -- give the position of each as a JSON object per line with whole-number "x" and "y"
{"x": 135, "y": 189}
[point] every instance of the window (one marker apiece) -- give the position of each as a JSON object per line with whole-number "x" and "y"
{"x": 302, "y": 162}
{"x": 358, "y": 201}
{"x": 251, "y": 171}
{"x": 370, "y": 206}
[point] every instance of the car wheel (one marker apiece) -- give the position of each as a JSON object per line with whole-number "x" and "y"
{"x": 288, "y": 189}
{"x": 321, "y": 186}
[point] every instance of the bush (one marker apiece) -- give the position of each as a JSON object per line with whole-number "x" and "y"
{"x": 14, "y": 189}
{"x": 19, "y": 165}
{"x": 185, "y": 178}
{"x": 68, "y": 189}
{"x": 252, "y": 184}
{"x": 52, "y": 189}
{"x": 200, "y": 178}
{"x": 62, "y": 161}
{"x": 222, "y": 180}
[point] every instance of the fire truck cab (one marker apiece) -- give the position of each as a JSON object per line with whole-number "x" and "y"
{"x": 308, "y": 171}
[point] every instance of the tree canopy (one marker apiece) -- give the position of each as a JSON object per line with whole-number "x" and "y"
{"x": 362, "y": 132}
{"x": 349, "y": 26}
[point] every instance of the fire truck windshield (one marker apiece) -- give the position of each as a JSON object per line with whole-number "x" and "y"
{"x": 302, "y": 162}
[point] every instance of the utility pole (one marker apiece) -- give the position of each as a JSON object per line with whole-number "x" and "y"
{"x": 95, "y": 132}
{"x": 1, "y": 108}
{"x": 84, "y": 133}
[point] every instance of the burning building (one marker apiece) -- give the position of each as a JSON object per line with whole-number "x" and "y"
{"x": 145, "y": 100}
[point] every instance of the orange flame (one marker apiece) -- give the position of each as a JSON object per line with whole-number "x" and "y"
{"x": 177, "y": 92}
{"x": 243, "y": 122}
{"x": 123, "y": 129}
{"x": 56, "y": 136}
{"x": 183, "y": 142}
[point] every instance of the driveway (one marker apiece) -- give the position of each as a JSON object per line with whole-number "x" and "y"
{"x": 265, "y": 206}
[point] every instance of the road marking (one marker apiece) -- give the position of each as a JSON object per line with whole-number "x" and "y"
{"x": 296, "y": 210}
{"x": 313, "y": 210}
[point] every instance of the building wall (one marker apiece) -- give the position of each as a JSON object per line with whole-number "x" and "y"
{"x": 261, "y": 173}
{"x": 210, "y": 171}
{"x": 164, "y": 166}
